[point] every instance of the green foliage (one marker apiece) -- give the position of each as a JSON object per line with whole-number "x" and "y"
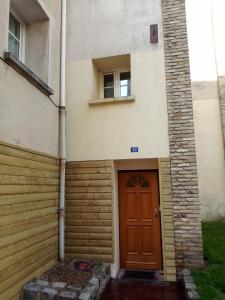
{"x": 211, "y": 280}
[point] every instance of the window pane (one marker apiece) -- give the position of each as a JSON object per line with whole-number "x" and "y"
{"x": 125, "y": 78}
{"x": 14, "y": 46}
{"x": 109, "y": 92}
{"x": 108, "y": 80}
{"x": 14, "y": 26}
{"x": 125, "y": 89}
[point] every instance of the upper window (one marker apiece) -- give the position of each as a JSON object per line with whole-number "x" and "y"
{"x": 125, "y": 87}
{"x": 117, "y": 84}
{"x": 16, "y": 35}
{"x": 109, "y": 85}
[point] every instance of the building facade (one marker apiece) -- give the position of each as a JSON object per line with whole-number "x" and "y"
{"x": 145, "y": 134}
{"x": 29, "y": 125}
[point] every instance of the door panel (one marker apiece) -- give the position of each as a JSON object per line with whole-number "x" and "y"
{"x": 132, "y": 240}
{"x": 147, "y": 240}
{"x": 131, "y": 207}
{"x": 146, "y": 206}
{"x": 140, "y": 234}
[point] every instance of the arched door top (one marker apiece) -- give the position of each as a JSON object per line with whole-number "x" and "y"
{"x": 137, "y": 181}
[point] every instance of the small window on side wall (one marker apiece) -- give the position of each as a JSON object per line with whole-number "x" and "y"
{"x": 16, "y": 35}
{"x": 117, "y": 84}
{"x": 125, "y": 84}
{"x": 109, "y": 85}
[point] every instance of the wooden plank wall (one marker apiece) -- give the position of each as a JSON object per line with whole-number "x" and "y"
{"x": 29, "y": 192}
{"x": 89, "y": 210}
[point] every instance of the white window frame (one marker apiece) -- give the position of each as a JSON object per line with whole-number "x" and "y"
{"x": 116, "y": 74}
{"x": 22, "y": 34}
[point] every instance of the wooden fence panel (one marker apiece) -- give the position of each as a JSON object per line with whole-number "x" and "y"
{"x": 29, "y": 193}
{"x": 89, "y": 210}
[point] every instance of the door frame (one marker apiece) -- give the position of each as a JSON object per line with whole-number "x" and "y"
{"x": 160, "y": 224}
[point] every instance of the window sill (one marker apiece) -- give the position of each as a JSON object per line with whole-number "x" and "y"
{"x": 27, "y": 73}
{"x": 112, "y": 100}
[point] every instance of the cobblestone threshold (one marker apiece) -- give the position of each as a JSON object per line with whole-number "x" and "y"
{"x": 190, "y": 287}
{"x": 38, "y": 289}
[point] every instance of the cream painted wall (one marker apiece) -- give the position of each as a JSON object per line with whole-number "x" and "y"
{"x": 218, "y": 8}
{"x": 108, "y": 131}
{"x": 99, "y": 28}
{"x": 27, "y": 116}
{"x": 207, "y": 117}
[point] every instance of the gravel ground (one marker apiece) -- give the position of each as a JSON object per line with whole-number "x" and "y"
{"x": 68, "y": 273}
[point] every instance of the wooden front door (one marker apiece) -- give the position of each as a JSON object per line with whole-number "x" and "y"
{"x": 140, "y": 234}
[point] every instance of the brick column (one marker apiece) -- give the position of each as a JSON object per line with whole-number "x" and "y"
{"x": 221, "y": 88}
{"x": 186, "y": 205}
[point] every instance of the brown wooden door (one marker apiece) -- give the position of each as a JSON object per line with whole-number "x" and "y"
{"x": 140, "y": 234}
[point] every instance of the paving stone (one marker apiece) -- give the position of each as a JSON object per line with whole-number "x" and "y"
{"x": 190, "y": 286}
{"x": 85, "y": 296}
{"x": 74, "y": 288}
{"x": 193, "y": 295}
{"x": 94, "y": 281}
{"x": 60, "y": 285}
{"x": 48, "y": 294}
{"x": 42, "y": 283}
{"x": 188, "y": 279}
{"x": 186, "y": 272}
{"x": 31, "y": 292}
{"x": 67, "y": 295}
{"x": 88, "y": 293}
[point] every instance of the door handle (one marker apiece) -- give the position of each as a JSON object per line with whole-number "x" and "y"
{"x": 156, "y": 212}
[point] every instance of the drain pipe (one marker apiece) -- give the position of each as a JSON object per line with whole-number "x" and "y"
{"x": 62, "y": 120}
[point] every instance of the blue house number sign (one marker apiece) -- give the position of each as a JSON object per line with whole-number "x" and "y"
{"x": 134, "y": 149}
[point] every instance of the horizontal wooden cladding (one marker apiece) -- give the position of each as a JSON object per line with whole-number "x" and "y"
{"x": 92, "y": 223}
{"x": 27, "y": 163}
{"x": 90, "y": 250}
{"x": 29, "y": 189}
{"x": 89, "y": 196}
{"x": 26, "y": 238}
{"x": 28, "y": 215}
{"x": 89, "y": 236}
{"x": 88, "y": 164}
{"x": 80, "y": 177}
{"x": 86, "y": 203}
{"x": 73, "y": 228}
{"x": 88, "y": 183}
{"x": 27, "y": 269}
{"x": 101, "y": 257}
{"x": 78, "y": 189}
{"x": 89, "y": 210}
{"x": 27, "y": 198}
{"x": 76, "y": 171}
{"x": 29, "y": 192}
{"x": 27, "y": 207}
{"x": 16, "y": 151}
{"x": 28, "y": 172}
{"x": 89, "y": 243}
{"x": 22, "y": 180}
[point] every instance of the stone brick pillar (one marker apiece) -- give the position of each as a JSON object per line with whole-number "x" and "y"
{"x": 221, "y": 88}
{"x": 186, "y": 205}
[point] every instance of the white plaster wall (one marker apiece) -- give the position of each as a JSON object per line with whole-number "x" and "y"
{"x": 27, "y": 117}
{"x": 207, "y": 117}
{"x": 108, "y": 131}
